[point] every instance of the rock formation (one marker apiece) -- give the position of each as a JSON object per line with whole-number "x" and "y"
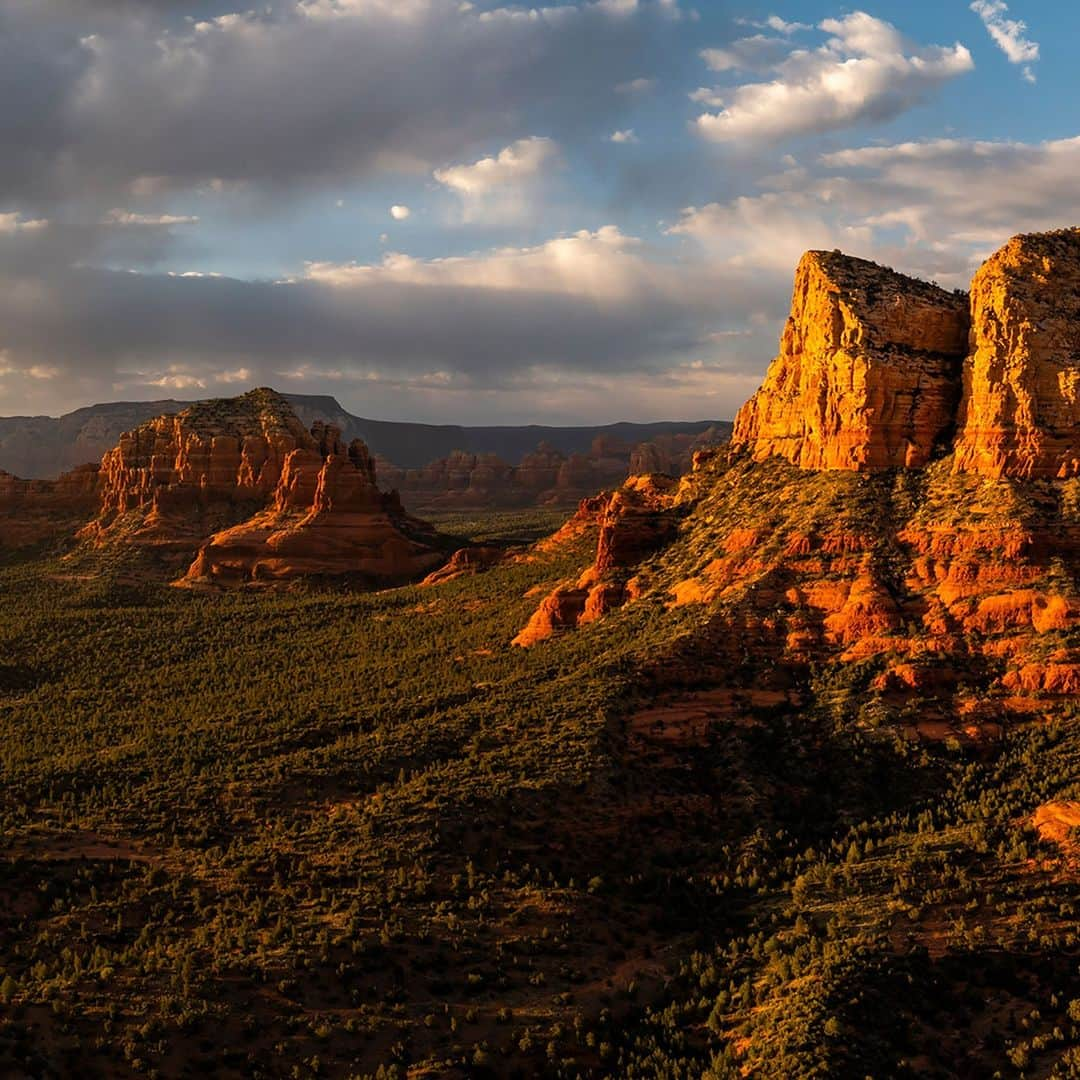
{"x": 831, "y": 535}
{"x": 177, "y": 478}
{"x": 546, "y": 476}
{"x": 240, "y": 487}
{"x": 33, "y": 510}
{"x": 1020, "y": 414}
{"x": 328, "y": 518}
{"x": 867, "y": 375}
{"x": 632, "y": 522}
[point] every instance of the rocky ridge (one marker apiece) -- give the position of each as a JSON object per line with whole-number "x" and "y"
{"x": 34, "y": 510}
{"x": 852, "y": 524}
{"x": 545, "y": 476}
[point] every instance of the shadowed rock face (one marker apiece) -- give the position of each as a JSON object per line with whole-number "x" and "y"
{"x": 868, "y": 371}
{"x": 1020, "y": 414}
{"x": 33, "y": 510}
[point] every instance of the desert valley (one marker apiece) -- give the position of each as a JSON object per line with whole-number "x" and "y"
{"x": 539, "y": 540}
{"x": 761, "y": 762}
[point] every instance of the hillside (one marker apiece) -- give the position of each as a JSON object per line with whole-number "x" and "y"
{"x": 766, "y": 771}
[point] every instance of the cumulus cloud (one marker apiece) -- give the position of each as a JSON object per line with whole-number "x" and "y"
{"x": 769, "y": 232}
{"x": 867, "y": 71}
{"x": 297, "y": 93}
{"x": 935, "y": 208}
{"x": 1009, "y": 34}
{"x": 756, "y": 53}
{"x": 627, "y": 135}
{"x": 400, "y": 213}
{"x": 499, "y": 187}
{"x": 14, "y": 223}
{"x": 586, "y": 307}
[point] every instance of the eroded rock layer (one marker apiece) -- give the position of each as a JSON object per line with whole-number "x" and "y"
{"x": 328, "y": 518}
{"x": 242, "y": 489}
{"x": 176, "y": 479}
{"x": 33, "y": 510}
{"x": 868, "y": 371}
{"x": 545, "y": 476}
{"x": 942, "y": 590}
{"x": 1020, "y": 414}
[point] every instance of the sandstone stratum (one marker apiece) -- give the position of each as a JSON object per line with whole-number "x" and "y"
{"x": 901, "y": 498}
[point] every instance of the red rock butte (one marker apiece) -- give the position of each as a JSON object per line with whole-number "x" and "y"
{"x": 878, "y": 370}
{"x": 240, "y": 486}
{"x": 868, "y": 374}
{"x": 1020, "y": 414}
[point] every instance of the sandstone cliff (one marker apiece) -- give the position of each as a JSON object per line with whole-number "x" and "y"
{"x": 175, "y": 479}
{"x": 240, "y": 487}
{"x": 868, "y": 371}
{"x": 838, "y": 542}
{"x": 328, "y": 518}
{"x": 1020, "y": 414}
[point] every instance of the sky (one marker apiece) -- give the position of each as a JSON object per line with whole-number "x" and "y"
{"x": 474, "y": 212}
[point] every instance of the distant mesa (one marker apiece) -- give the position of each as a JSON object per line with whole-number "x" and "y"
{"x": 433, "y": 466}
{"x": 241, "y": 489}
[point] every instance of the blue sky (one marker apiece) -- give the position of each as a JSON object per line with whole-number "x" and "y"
{"x": 599, "y": 204}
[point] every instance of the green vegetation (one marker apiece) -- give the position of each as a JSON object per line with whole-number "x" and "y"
{"x": 310, "y": 832}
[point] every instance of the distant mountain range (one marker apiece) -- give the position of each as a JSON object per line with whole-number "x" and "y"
{"x": 43, "y": 446}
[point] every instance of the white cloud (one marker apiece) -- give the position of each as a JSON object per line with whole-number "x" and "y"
{"x": 935, "y": 209}
{"x": 605, "y": 265}
{"x": 774, "y": 22}
{"x": 866, "y": 72}
{"x": 16, "y": 223}
{"x": 240, "y": 375}
{"x": 43, "y": 372}
{"x": 960, "y": 191}
{"x": 756, "y": 53}
{"x": 769, "y": 232}
{"x": 522, "y": 160}
{"x": 1008, "y": 34}
{"x": 627, "y": 135}
{"x": 400, "y": 213}
{"x": 500, "y": 188}
{"x": 177, "y": 381}
{"x": 127, "y": 217}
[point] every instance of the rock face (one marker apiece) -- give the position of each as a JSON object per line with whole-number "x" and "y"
{"x": 632, "y": 522}
{"x": 1020, "y": 414}
{"x": 345, "y": 526}
{"x": 868, "y": 371}
{"x": 945, "y": 588}
{"x": 175, "y": 479}
{"x": 545, "y": 476}
{"x": 33, "y": 510}
{"x": 240, "y": 487}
